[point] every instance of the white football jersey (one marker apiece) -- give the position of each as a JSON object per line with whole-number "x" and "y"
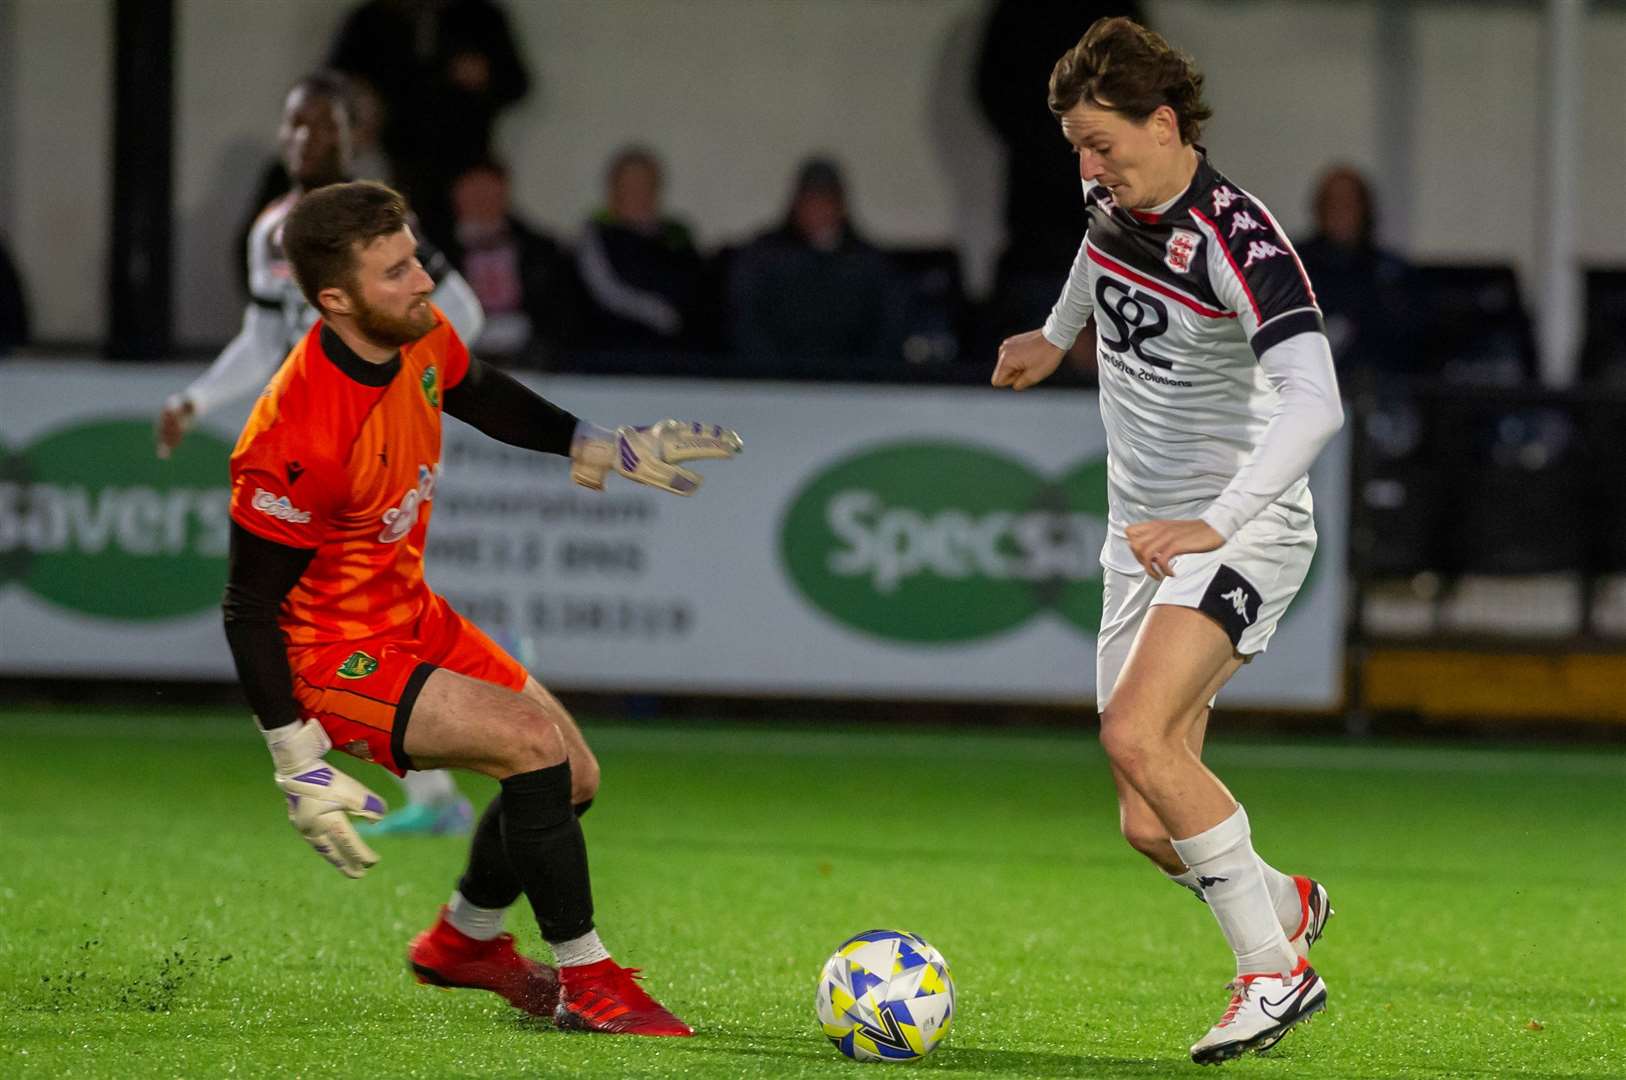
{"x": 1185, "y": 302}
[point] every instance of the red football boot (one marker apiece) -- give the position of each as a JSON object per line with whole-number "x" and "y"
{"x": 606, "y": 997}
{"x": 445, "y": 956}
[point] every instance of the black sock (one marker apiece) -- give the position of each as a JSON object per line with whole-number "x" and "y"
{"x": 546, "y": 850}
{"x": 489, "y": 881}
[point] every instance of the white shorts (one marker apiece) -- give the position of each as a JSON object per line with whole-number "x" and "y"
{"x": 1244, "y": 585}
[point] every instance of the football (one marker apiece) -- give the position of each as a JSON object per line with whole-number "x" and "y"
{"x": 886, "y": 995}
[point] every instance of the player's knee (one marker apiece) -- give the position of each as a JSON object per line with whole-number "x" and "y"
{"x": 532, "y": 740}
{"x": 1125, "y": 742}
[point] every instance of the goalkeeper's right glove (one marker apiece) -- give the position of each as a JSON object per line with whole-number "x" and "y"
{"x": 320, "y": 797}
{"x": 648, "y": 455}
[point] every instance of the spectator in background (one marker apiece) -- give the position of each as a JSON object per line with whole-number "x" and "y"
{"x": 441, "y": 71}
{"x": 813, "y": 288}
{"x": 522, "y": 276}
{"x": 1044, "y": 207}
{"x": 639, "y": 268}
{"x": 13, "y": 305}
{"x": 1365, "y": 292}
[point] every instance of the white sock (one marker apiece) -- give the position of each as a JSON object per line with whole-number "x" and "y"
{"x": 479, "y": 923}
{"x": 1284, "y": 895}
{"x": 1187, "y": 878}
{"x": 587, "y": 949}
{"x": 1234, "y": 886}
{"x": 432, "y": 788}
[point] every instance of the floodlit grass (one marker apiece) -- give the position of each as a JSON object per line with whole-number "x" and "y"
{"x": 159, "y": 918}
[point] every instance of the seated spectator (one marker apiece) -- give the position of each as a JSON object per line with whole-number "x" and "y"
{"x": 13, "y": 305}
{"x": 813, "y": 288}
{"x": 639, "y": 268}
{"x": 1365, "y": 293}
{"x": 523, "y": 278}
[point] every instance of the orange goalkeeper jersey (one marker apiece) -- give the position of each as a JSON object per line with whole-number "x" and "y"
{"x": 341, "y": 456}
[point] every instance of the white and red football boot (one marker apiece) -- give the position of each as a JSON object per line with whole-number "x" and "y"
{"x": 1263, "y": 1008}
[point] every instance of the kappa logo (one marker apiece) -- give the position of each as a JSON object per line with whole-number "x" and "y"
{"x": 279, "y": 507}
{"x": 399, "y": 520}
{"x": 1260, "y": 250}
{"x": 1238, "y": 599}
{"x": 1178, "y": 251}
{"x": 1223, "y": 198}
{"x": 1242, "y": 221}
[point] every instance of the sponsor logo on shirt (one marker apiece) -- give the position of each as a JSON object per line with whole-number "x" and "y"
{"x": 279, "y": 507}
{"x": 1259, "y": 251}
{"x": 399, "y": 520}
{"x": 1178, "y": 251}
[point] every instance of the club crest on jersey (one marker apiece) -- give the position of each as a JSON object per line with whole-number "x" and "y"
{"x": 358, "y": 665}
{"x": 1178, "y": 251}
{"x": 431, "y": 386}
{"x": 399, "y": 520}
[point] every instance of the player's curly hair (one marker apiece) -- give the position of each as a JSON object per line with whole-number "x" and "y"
{"x": 322, "y": 232}
{"x": 1122, "y": 66}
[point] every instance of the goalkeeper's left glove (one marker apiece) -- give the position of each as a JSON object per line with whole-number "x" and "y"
{"x": 647, "y": 454}
{"x": 321, "y": 798}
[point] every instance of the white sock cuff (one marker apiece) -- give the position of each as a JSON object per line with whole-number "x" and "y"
{"x": 1228, "y": 835}
{"x": 433, "y": 787}
{"x": 471, "y": 920}
{"x": 587, "y": 949}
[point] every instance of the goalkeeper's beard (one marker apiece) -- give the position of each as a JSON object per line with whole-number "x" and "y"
{"x": 390, "y": 331}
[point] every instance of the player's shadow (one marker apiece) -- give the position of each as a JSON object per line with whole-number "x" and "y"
{"x": 1013, "y": 1062}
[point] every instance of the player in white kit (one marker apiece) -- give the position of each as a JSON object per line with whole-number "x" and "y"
{"x": 1217, "y": 392}
{"x": 315, "y": 142}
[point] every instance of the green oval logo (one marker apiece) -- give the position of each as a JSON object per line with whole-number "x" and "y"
{"x": 934, "y": 542}
{"x": 92, "y": 521}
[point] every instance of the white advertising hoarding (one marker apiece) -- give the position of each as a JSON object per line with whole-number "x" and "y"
{"x": 909, "y": 542}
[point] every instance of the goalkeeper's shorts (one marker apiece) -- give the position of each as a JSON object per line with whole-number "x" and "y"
{"x": 1245, "y": 586}
{"x": 362, "y": 692}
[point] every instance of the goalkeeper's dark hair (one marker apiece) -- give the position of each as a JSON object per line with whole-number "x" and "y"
{"x": 1121, "y": 66}
{"x": 328, "y": 228}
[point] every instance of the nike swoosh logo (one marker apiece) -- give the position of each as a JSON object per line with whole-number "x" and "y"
{"x": 1278, "y": 1009}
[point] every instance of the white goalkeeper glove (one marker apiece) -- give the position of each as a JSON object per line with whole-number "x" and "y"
{"x": 320, "y": 797}
{"x": 647, "y": 454}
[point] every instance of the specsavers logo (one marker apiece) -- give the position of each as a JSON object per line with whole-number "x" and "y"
{"x": 90, "y": 520}
{"x": 935, "y": 542}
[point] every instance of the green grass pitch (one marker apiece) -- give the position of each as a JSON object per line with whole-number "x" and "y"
{"x": 159, "y": 918}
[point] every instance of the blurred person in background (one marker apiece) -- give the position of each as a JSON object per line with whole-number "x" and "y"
{"x": 314, "y": 137}
{"x": 522, "y": 276}
{"x": 13, "y": 304}
{"x": 813, "y": 288}
{"x": 441, "y": 72}
{"x": 639, "y": 266}
{"x": 1365, "y": 292}
{"x": 1042, "y": 208}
